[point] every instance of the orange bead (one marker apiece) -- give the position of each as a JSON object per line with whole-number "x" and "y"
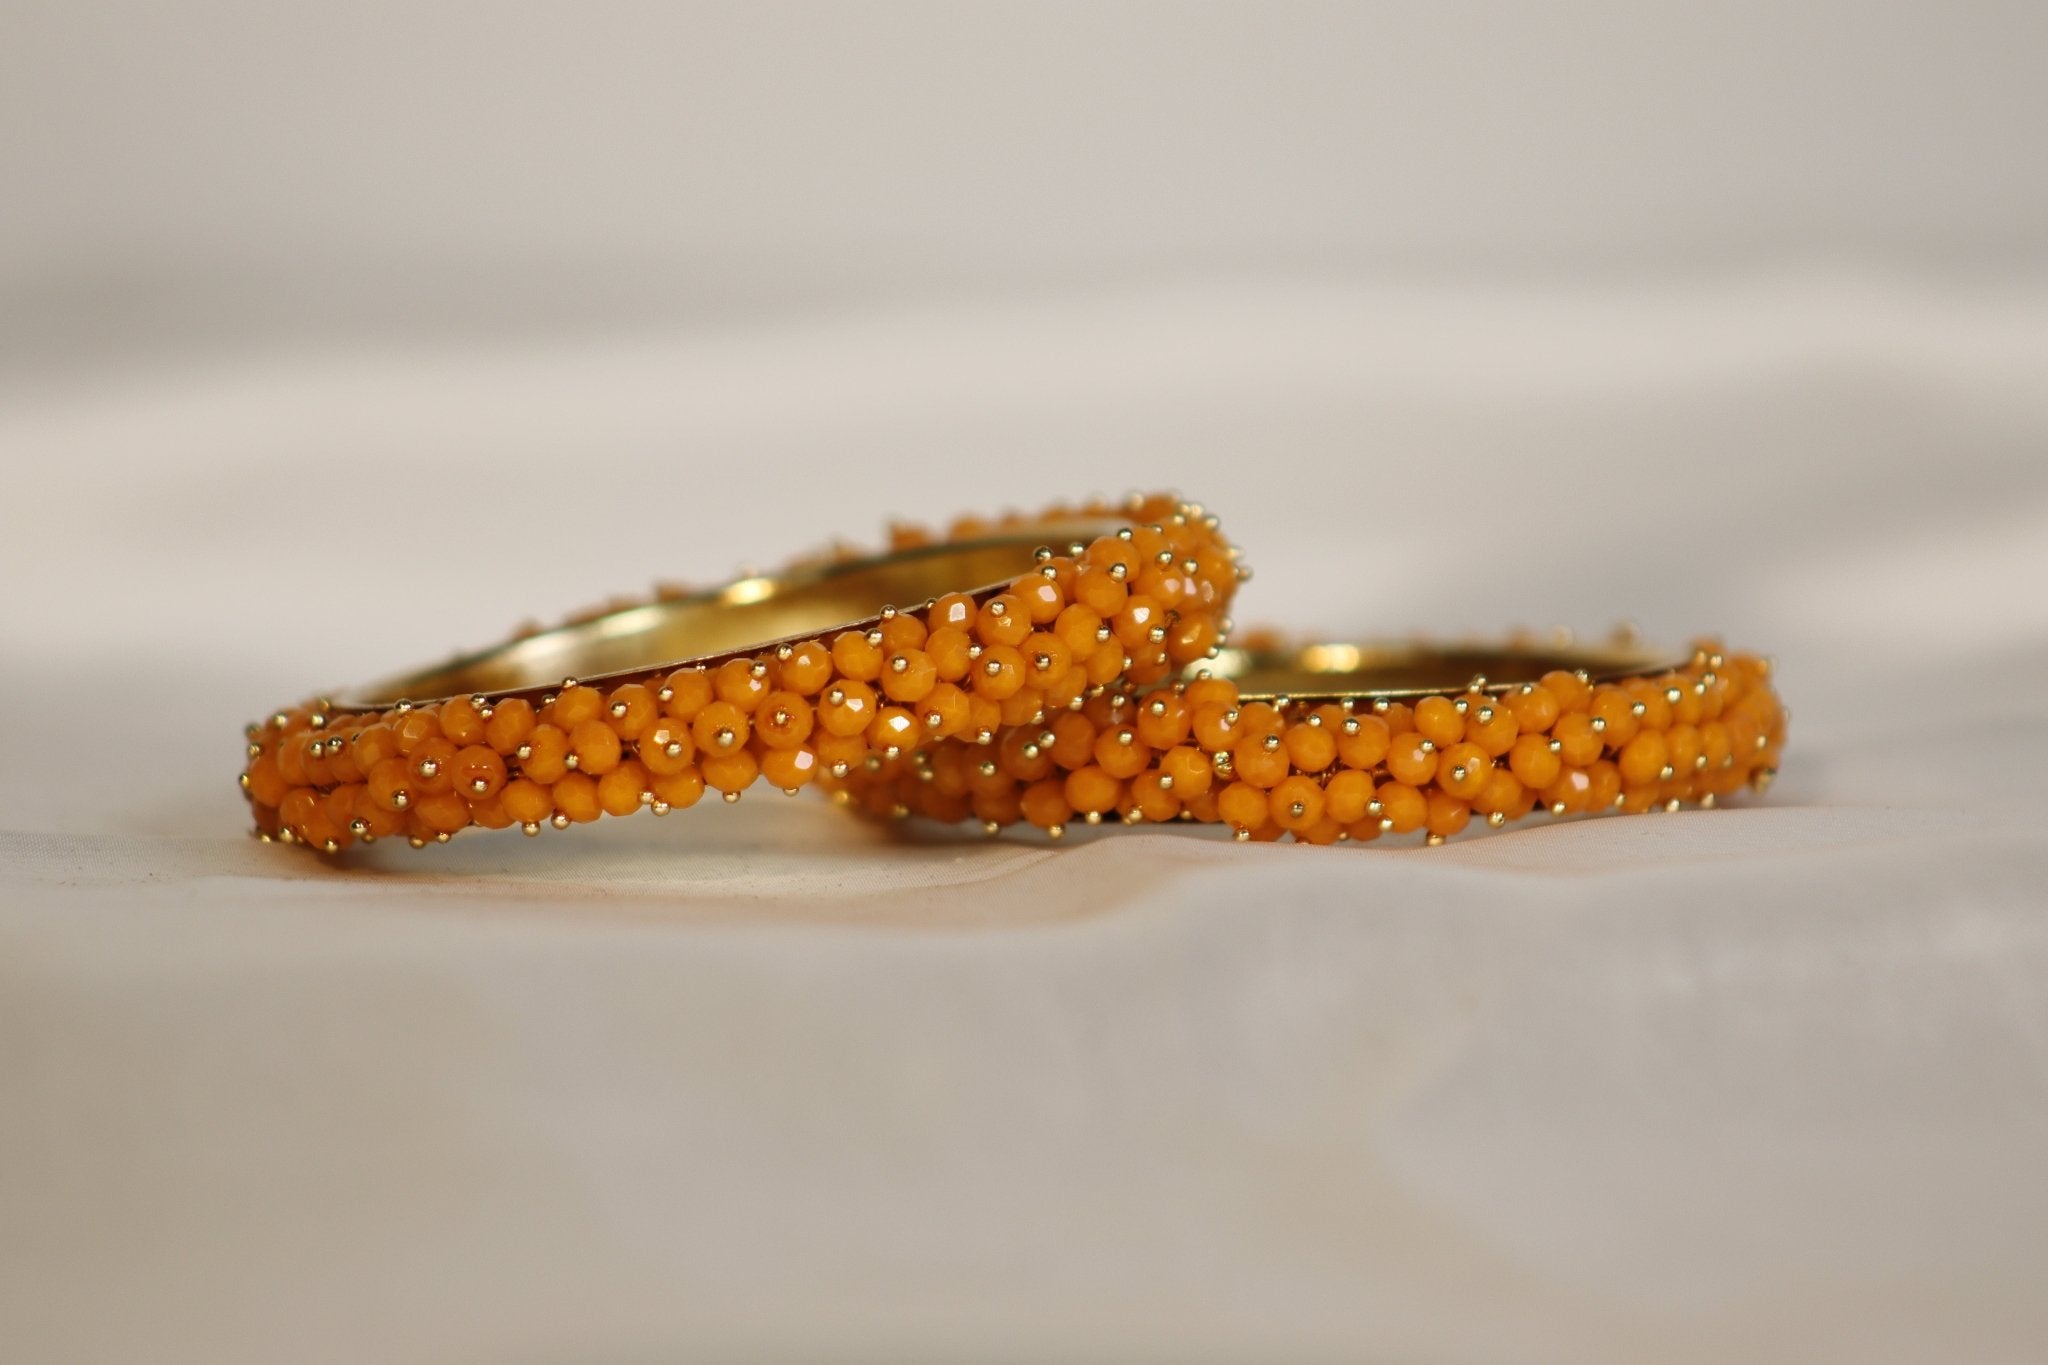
{"x": 479, "y": 772}
{"x": 1041, "y": 597}
{"x": 1046, "y": 656}
{"x": 1437, "y": 720}
{"x": 574, "y": 705}
{"x": 1136, "y": 622}
{"x": 266, "y": 784}
{"x": 685, "y": 692}
{"x": 1297, "y": 804}
{"x": 1106, "y": 665}
{"x": 808, "y": 668}
{"x": 512, "y": 720}
{"x": 1412, "y": 759}
{"x": 1346, "y": 795}
{"x": 1533, "y": 762}
{"x": 742, "y": 682}
{"x": 952, "y": 653}
{"x": 1446, "y": 815}
{"x": 784, "y": 720}
{"x": 1654, "y": 700}
{"x": 1502, "y": 794}
{"x": 1534, "y": 707}
{"x": 902, "y": 631}
{"x": 1244, "y": 807}
{"x": 733, "y": 772}
{"x": 954, "y": 611}
{"x": 618, "y": 791}
{"x": 429, "y": 765}
{"x": 442, "y": 812}
{"x": 666, "y": 746}
{"x": 526, "y": 802}
{"x": 1684, "y": 749}
{"x": 789, "y": 769}
{"x": 1101, "y": 591}
{"x": 1579, "y": 741}
{"x": 595, "y": 747}
{"x": 1044, "y": 803}
{"x": 909, "y": 676}
{"x": 894, "y": 730}
{"x": 1151, "y": 800}
{"x": 679, "y": 791}
{"x": 575, "y": 796}
{"x": 389, "y": 785}
{"x": 1216, "y": 725}
{"x": 372, "y": 745}
{"x": 460, "y": 722}
{"x": 857, "y": 656}
{"x": 1118, "y": 753}
{"x": 847, "y": 708}
{"x": 1190, "y": 771}
{"x": 1260, "y": 760}
{"x": 1572, "y": 691}
{"x": 1463, "y": 769}
{"x": 1004, "y": 620}
{"x": 1163, "y": 720}
{"x": 1643, "y": 759}
{"x": 414, "y": 728}
{"x": 1362, "y": 741}
{"x": 1603, "y": 785}
{"x": 1091, "y": 791}
{"x": 1615, "y": 711}
{"x": 1311, "y": 745}
{"x": 1402, "y": 806}
{"x": 1491, "y": 725}
{"x": 720, "y": 729}
{"x": 999, "y": 673}
{"x": 944, "y": 711}
{"x": 1080, "y": 629}
{"x": 629, "y": 709}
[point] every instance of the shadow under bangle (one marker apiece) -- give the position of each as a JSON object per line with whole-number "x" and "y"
{"x": 783, "y": 677}
{"x": 1327, "y": 742}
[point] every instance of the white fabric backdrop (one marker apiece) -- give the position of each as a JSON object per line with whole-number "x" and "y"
{"x": 756, "y": 1083}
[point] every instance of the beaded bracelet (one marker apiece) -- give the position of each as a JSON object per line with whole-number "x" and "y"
{"x": 784, "y": 677}
{"x": 1329, "y": 742}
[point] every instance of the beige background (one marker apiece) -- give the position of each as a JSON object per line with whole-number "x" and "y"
{"x": 333, "y": 343}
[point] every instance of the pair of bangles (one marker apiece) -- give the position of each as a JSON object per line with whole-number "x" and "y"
{"x": 1075, "y": 665}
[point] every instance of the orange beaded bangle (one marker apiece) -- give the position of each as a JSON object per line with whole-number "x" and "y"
{"x": 782, "y": 677}
{"x": 1330, "y": 742}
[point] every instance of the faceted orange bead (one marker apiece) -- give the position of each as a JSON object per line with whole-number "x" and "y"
{"x": 414, "y": 728}
{"x": 784, "y": 720}
{"x": 679, "y": 791}
{"x": 1136, "y": 622}
{"x": 1297, "y": 804}
{"x": 1447, "y": 815}
{"x": 1073, "y": 739}
{"x": 951, "y": 650}
{"x": 1572, "y": 691}
{"x": 442, "y": 812}
{"x": 999, "y": 673}
{"x": 1079, "y": 628}
{"x": 1411, "y": 759}
{"x": 1003, "y": 620}
{"x": 1020, "y": 754}
{"x": 1642, "y": 760}
{"x": 1118, "y": 753}
{"x": 847, "y": 708}
{"x": 460, "y": 722}
{"x": 789, "y": 769}
{"x": 1463, "y": 769}
{"x": 954, "y": 611}
{"x": 379, "y": 822}
{"x": 574, "y": 705}
{"x": 1362, "y": 741}
{"x": 1437, "y": 720}
{"x": 1046, "y": 656}
{"x": 894, "y": 728}
{"x": 1106, "y": 665}
{"x": 1312, "y": 744}
{"x": 547, "y": 752}
{"x": 1260, "y": 760}
{"x": 1243, "y": 806}
{"x": 909, "y": 676}
{"x": 527, "y": 802}
{"x": 1346, "y": 795}
{"x": 595, "y": 746}
{"x": 1100, "y": 591}
{"x": 1715, "y": 745}
{"x": 1532, "y": 761}
{"x": 1191, "y": 771}
{"x": 618, "y": 791}
{"x": 512, "y": 720}
{"x": 856, "y": 656}
{"x": 486, "y": 812}
{"x": 1654, "y": 699}
{"x": 1503, "y": 793}
{"x": 835, "y": 750}
{"x": 1534, "y": 707}
{"x": 731, "y": 772}
{"x": 1217, "y": 725}
{"x": 1090, "y": 790}
{"x": 666, "y": 746}
{"x": 901, "y": 632}
{"x": 1570, "y": 793}
{"x": 1403, "y": 805}
{"x": 1578, "y": 741}
{"x": 389, "y": 784}
{"x": 630, "y": 708}
{"x": 429, "y": 765}
{"x": 266, "y": 784}
{"x": 720, "y": 728}
{"x": 944, "y": 711}
{"x": 479, "y": 772}
{"x": 1044, "y": 803}
{"x": 1603, "y": 785}
{"x": 1683, "y": 748}
{"x": 1154, "y": 802}
{"x": 1041, "y": 597}
{"x": 575, "y": 795}
{"x": 685, "y": 692}
{"x": 1190, "y": 638}
{"x": 808, "y": 668}
{"x": 742, "y": 682}
{"x": 1491, "y": 725}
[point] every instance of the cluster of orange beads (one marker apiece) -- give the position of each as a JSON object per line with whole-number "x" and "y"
{"x": 1323, "y": 771}
{"x": 1130, "y": 609}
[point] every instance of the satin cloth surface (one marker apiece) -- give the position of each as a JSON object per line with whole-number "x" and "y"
{"x": 758, "y": 1083}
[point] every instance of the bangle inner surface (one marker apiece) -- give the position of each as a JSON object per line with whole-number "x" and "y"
{"x": 1401, "y": 669}
{"x": 742, "y": 617}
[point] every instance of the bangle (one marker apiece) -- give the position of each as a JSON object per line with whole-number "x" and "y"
{"x": 784, "y": 677}
{"x": 1328, "y": 742}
